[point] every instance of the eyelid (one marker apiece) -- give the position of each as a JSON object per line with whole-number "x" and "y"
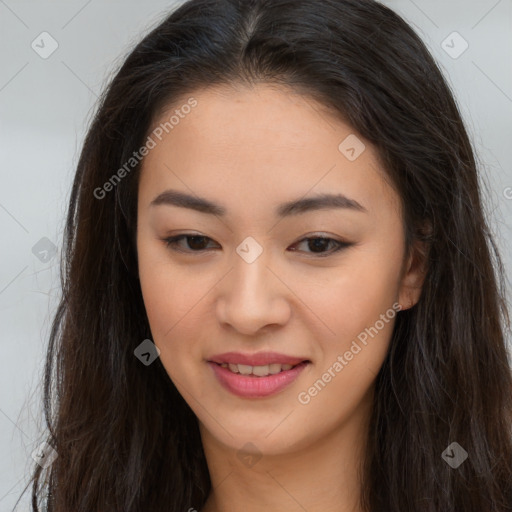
{"x": 170, "y": 243}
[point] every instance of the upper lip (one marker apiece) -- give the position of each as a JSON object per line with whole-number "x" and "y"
{"x": 258, "y": 359}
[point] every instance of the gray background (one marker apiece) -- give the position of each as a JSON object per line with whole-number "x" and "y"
{"x": 45, "y": 105}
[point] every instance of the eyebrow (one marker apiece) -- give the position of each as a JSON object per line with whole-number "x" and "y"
{"x": 318, "y": 202}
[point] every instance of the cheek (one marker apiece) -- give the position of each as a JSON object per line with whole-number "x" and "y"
{"x": 364, "y": 287}
{"x": 359, "y": 310}
{"x": 176, "y": 301}
{"x": 164, "y": 294}
{"x": 166, "y": 310}
{"x": 169, "y": 290}
{"x": 169, "y": 303}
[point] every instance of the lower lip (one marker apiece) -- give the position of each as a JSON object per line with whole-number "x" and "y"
{"x": 249, "y": 386}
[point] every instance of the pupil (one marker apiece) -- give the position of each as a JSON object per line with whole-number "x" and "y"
{"x": 193, "y": 239}
{"x": 318, "y": 243}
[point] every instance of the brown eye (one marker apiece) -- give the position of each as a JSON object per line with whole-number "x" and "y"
{"x": 198, "y": 244}
{"x": 195, "y": 243}
{"x": 318, "y": 245}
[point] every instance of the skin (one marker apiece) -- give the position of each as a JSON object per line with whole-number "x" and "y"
{"x": 251, "y": 149}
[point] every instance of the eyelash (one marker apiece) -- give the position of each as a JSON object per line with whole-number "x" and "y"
{"x": 171, "y": 243}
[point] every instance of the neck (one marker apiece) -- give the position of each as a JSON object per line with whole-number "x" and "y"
{"x": 320, "y": 475}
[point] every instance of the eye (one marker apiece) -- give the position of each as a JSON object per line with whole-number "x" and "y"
{"x": 194, "y": 242}
{"x": 318, "y": 244}
{"x": 197, "y": 243}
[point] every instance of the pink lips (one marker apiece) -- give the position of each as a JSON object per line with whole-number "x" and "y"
{"x": 258, "y": 359}
{"x": 250, "y": 386}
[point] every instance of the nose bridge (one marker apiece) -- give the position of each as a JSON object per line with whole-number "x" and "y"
{"x": 251, "y": 296}
{"x": 250, "y": 276}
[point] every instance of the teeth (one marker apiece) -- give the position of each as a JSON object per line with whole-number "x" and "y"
{"x": 259, "y": 371}
{"x": 244, "y": 369}
{"x": 274, "y": 368}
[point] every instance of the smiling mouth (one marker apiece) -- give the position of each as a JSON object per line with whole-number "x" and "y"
{"x": 259, "y": 371}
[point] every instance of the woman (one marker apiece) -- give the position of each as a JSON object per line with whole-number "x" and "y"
{"x": 280, "y": 291}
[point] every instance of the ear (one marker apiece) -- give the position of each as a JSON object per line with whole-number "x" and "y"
{"x": 415, "y": 270}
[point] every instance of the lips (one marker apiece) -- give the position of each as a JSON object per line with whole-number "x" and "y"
{"x": 256, "y": 375}
{"x": 258, "y": 359}
{"x": 253, "y": 386}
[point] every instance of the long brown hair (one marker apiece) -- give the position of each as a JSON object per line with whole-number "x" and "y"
{"x": 125, "y": 438}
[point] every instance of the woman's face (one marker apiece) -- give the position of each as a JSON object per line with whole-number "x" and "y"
{"x": 250, "y": 282}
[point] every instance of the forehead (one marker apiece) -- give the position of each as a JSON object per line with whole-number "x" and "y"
{"x": 262, "y": 144}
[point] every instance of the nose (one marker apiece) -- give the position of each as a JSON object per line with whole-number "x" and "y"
{"x": 252, "y": 297}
